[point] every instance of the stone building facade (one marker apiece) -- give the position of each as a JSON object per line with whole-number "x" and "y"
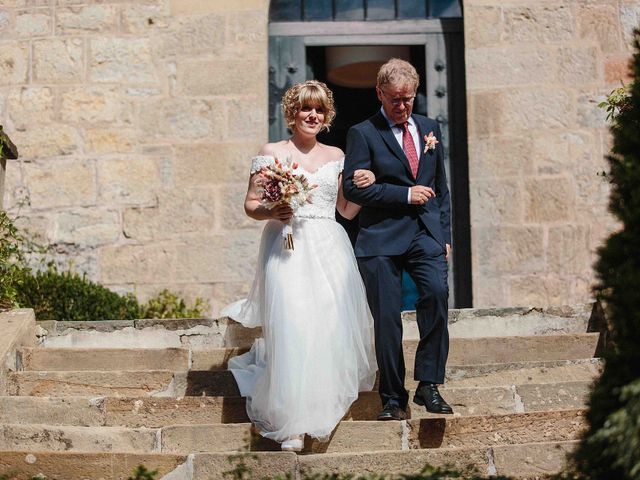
{"x": 136, "y": 121}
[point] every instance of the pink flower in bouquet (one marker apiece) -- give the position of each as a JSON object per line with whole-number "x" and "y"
{"x": 430, "y": 142}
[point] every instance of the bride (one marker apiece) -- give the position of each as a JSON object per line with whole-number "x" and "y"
{"x": 317, "y": 350}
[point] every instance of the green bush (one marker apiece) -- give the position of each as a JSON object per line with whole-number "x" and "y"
{"x": 610, "y": 448}
{"x": 12, "y": 265}
{"x": 56, "y": 295}
{"x": 69, "y": 296}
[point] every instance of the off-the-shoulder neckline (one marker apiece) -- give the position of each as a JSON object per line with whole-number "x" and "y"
{"x": 300, "y": 167}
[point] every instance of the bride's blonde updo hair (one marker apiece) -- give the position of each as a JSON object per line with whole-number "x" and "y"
{"x": 308, "y": 94}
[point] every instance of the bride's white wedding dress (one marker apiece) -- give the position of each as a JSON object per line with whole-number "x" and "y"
{"x": 317, "y": 349}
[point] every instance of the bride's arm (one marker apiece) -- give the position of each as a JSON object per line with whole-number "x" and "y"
{"x": 349, "y": 209}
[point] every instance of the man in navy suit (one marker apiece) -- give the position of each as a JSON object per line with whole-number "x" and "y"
{"x": 404, "y": 225}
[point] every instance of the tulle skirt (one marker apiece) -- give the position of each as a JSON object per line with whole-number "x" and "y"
{"x": 317, "y": 349}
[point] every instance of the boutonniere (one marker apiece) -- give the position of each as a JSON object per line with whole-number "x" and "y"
{"x": 430, "y": 142}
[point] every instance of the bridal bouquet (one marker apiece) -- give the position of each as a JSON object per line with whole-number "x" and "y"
{"x": 280, "y": 185}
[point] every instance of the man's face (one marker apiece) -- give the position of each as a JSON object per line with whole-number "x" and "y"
{"x": 397, "y": 101}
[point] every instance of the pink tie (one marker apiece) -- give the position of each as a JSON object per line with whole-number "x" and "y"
{"x": 409, "y": 148}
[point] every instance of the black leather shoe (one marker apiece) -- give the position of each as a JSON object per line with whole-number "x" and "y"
{"x": 429, "y": 397}
{"x": 392, "y": 412}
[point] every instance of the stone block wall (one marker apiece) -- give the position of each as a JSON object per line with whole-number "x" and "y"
{"x": 136, "y": 121}
{"x": 535, "y": 74}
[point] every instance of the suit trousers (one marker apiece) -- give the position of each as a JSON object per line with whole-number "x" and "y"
{"x": 382, "y": 275}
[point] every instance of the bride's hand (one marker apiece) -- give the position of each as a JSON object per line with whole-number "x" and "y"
{"x": 363, "y": 178}
{"x": 282, "y": 212}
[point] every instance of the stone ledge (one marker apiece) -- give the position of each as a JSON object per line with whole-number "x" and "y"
{"x": 17, "y": 327}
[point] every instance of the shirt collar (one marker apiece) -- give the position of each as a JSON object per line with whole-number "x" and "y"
{"x": 391, "y": 124}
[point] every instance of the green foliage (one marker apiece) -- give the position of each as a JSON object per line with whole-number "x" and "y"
{"x": 610, "y": 448}
{"x": 169, "y": 305}
{"x": 12, "y": 266}
{"x": 141, "y": 473}
{"x": 69, "y": 296}
{"x": 66, "y": 295}
{"x": 617, "y": 101}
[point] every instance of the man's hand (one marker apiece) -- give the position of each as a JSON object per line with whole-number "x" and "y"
{"x": 448, "y": 247}
{"x": 421, "y": 194}
{"x": 363, "y": 178}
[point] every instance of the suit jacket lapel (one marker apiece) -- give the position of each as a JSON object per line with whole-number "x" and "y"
{"x": 384, "y": 129}
{"x": 424, "y": 157}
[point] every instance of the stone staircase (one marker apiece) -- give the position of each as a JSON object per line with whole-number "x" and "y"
{"x": 96, "y": 399}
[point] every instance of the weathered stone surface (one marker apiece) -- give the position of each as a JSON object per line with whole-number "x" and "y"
{"x": 247, "y": 31}
{"x": 516, "y": 373}
{"x": 550, "y": 23}
{"x": 216, "y": 77}
{"x": 192, "y": 35}
{"x": 138, "y": 263}
{"x": 158, "y": 412}
{"x": 602, "y": 24}
{"x": 554, "y": 396}
{"x": 30, "y": 438}
{"x": 107, "y": 140}
{"x": 52, "y": 411}
{"x": 537, "y": 108}
{"x": 59, "y": 183}
{"x": 58, "y": 60}
{"x": 17, "y": 326}
{"x": 477, "y": 18}
{"x": 520, "y": 249}
{"x": 80, "y": 466}
{"x": 495, "y": 202}
{"x": 541, "y": 289}
{"x": 617, "y": 69}
{"x": 499, "y": 156}
{"x": 518, "y": 428}
{"x": 46, "y": 384}
{"x": 569, "y": 249}
{"x": 262, "y": 465}
{"x": 89, "y": 359}
{"x": 95, "y": 104}
{"x": 406, "y": 462}
{"x": 214, "y": 164}
{"x": 231, "y": 208}
{"x": 183, "y": 119}
{"x": 87, "y": 227}
{"x": 143, "y": 19}
{"x": 86, "y": 19}
{"x": 246, "y": 117}
{"x": 121, "y": 60}
{"x": 44, "y": 141}
{"x": 579, "y": 66}
{"x": 548, "y": 199}
{"x": 629, "y": 18}
{"x": 509, "y": 66}
{"x": 29, "y": 106}
{"x": 207, "y": 438}
{"x": 128, "y": 180}
{"x": 218, "y": 258}
{"x": 6, "y": 22}
{"x": 34, "y": 23}
{"x": 193, "y": 210}
{"x": 532, "y": 459}
{"x": 14, "y": 64}
{"x": 589, "y": 115}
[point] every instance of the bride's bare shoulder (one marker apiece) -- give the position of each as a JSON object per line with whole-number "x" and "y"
{"x": 274, "y": 149}
{"x": 332, "y": 153}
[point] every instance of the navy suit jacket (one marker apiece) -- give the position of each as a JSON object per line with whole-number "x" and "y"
{"x": 387, "y": 221}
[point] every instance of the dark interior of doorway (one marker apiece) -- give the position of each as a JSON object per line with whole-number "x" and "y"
{"x": 354, "y": 105}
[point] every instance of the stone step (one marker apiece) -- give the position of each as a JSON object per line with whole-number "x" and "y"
{"x": 463, "y": 351}
{"x": 200, "y": 333}
{"x": 529, "y": 460}
{"x": 222, "y": 383}
{"x": 157, "y": 412}
{"x": 349, "y": 436}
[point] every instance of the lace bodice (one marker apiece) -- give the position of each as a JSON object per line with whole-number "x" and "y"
{"x": 324, "y": 196}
